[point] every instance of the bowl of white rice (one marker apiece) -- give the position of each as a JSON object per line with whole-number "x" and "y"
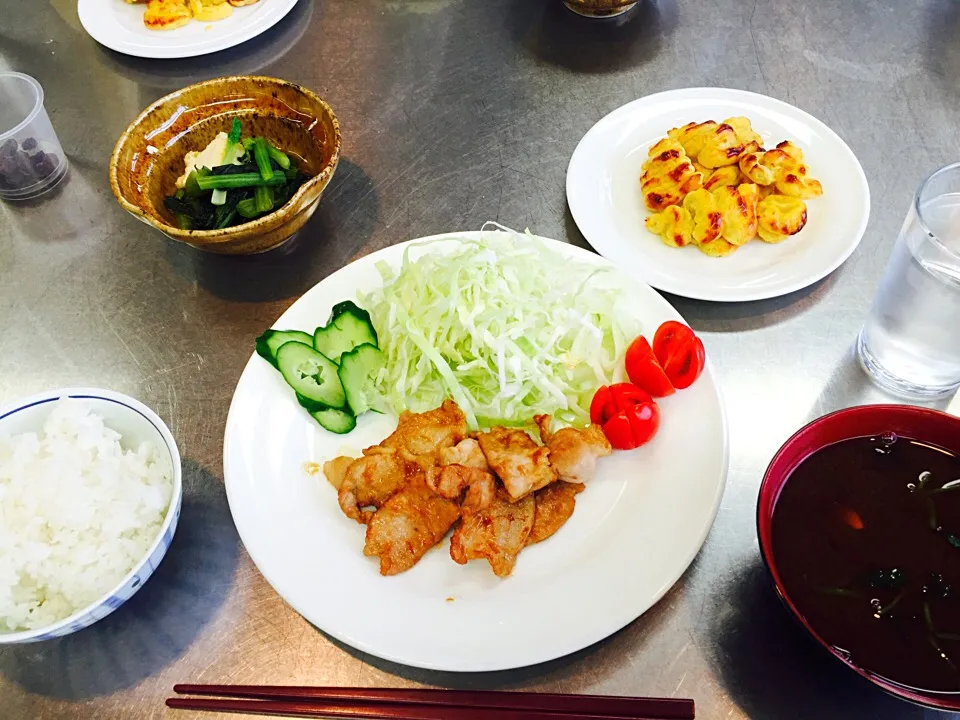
{"x": 90, "y": 493}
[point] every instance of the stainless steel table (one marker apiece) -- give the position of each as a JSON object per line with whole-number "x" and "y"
{"x": 454, "y": 112}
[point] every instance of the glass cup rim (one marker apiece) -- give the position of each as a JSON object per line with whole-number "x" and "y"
{"x": 918, "y": 210}
{"x": 37, "y": 105}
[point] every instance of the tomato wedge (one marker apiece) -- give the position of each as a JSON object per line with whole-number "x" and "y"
{"x": 644, "y": 369}
{"x": 680, "y": 353}
{"x": 628, "y": 415}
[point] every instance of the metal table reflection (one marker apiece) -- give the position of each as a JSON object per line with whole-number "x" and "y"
{"x": 454, "y": 112}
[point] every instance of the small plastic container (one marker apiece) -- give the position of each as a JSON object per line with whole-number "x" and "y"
{"x": 31, "y": 159}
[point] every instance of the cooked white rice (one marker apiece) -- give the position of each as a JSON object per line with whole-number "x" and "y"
{"x": 77, "y": 512}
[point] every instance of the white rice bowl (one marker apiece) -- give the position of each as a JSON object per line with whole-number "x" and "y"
{"x": 77, "y": 513}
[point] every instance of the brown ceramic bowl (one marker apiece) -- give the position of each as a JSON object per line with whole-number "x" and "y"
{"x": 600, "y": 8}
{"x": 148, "y": 158}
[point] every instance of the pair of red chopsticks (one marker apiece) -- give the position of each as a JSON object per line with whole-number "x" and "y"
{"x": 384, "y": 704}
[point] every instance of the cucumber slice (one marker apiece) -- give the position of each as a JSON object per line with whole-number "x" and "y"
{"x": 349, "y": 326}
{"x": 358, "y": 372}
{"x": 309, "y": 405}
{"x": 336, "y": 421}
{"x": 272, "y": 340}
{"x": 312, "y": 375}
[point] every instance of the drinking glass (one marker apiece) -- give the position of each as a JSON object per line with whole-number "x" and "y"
{"x": 910, "y": 343}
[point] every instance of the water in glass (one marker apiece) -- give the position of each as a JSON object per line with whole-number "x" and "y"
{"x": 911, "y": 340}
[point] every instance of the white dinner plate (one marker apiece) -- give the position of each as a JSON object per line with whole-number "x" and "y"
{"x": 603, "y": 191}
{"x": 636, "y": 527}
{"x": 119, "y": 26}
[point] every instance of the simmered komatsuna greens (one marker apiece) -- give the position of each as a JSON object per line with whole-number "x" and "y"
{"x": 246, "y": 178}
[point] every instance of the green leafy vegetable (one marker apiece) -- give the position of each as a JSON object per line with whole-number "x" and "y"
{"x": 506, "y": 326}
{"x": 262, "y": 156}
{"x": 264, "y": 199}
{"x": 236, "y": 191}
{"x": 248, "y": 208}
{"x": 235, "y": 130}
{"x": 278, "y": 156}
{"x": 238, "y": 180}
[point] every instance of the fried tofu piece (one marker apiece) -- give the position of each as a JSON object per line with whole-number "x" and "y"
{"x": 420, "y": 437}
{"x": 728, "y": 175}
{"x": 407, "y": 526}
{"x": 744, "y": 130}
{"x": 752, "y": 168}
{"x": 738, "y": 208}
{"x": 790, "y": 172}
{"x": 574, "y": 452}
{"x": 707, "y": 221}
{"x": 522, "y": 466}
{"x": 166, "y": 14}
{"x": 779, "y": 217}
{"x": 674, "y": 226}
{"x": 497, "y": 533}
{"x": 553, "y": 507}
{"x": 692, "y": 136}
{"x": 668, "y": 175}
{"x": 370, "y": 481}
{"x": 721, "y": 147}
{"x": 451, "y": 481}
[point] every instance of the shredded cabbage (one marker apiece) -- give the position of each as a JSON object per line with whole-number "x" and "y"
{"x": 504, "y": 325}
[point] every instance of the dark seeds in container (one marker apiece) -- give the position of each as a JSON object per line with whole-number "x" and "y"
{"x": 19, "y": 169}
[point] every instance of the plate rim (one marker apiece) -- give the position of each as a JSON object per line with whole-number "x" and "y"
{"x": 211, "y": 45}
{"x": 720, "y": 94}
{"x": 469, "y": 665}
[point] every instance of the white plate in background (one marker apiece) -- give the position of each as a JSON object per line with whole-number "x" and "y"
{"x": 119, "y": 26}
{"x": 603, "y": 191}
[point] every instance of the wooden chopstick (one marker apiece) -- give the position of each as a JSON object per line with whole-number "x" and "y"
{"x": 428, "y": 704}
{"x": 380, "y": 711}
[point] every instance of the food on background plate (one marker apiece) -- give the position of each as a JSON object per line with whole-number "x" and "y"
{"x": 506, "y": 489}
{"x": 233, "y": 180}
{"x": 78, "y": 512}
{"x": 866, "y": 540}
{"x": 171, "y": 14}
{"x": 714, "y": 186}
